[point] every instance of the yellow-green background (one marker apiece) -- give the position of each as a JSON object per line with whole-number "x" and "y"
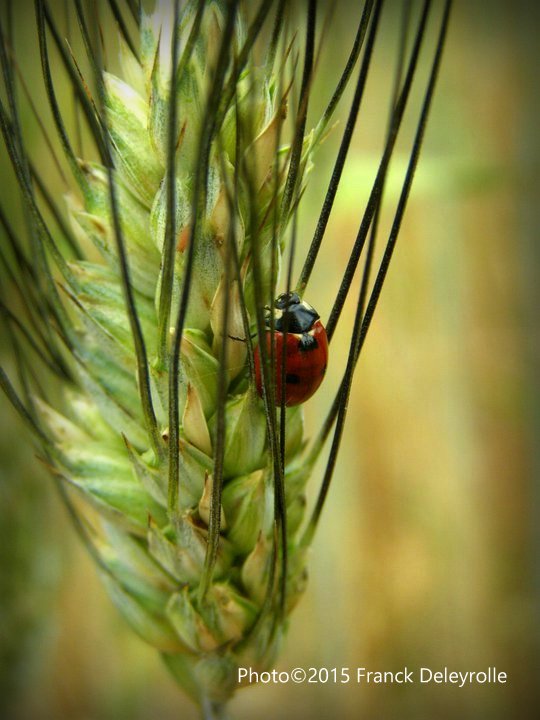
{"x": 427, "y": 550}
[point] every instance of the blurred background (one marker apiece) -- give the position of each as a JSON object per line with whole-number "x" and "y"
{"x": 427, "y": 550}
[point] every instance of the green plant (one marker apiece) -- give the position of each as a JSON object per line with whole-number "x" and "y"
{"x": 185, "y": 485}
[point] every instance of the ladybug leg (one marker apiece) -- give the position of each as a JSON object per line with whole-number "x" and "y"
{"x": 307, "y": 343}
{"x": 242, "y": 339}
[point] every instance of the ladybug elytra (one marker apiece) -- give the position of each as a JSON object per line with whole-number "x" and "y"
{"x": 298, "y": 326}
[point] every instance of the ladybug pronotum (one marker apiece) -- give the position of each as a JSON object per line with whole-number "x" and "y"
{"x": 297, "y": 325}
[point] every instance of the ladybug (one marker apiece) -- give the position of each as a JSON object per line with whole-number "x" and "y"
{"x": 306, "y": 354}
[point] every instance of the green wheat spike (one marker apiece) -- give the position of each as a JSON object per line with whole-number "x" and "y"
{"x": 204, "y": 592}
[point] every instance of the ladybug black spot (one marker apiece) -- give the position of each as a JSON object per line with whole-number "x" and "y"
{"x": 292, "y": 379}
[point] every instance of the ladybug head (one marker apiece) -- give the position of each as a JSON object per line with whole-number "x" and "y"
{"x": 292, "y": 315}
{"x": 286, "y": 301}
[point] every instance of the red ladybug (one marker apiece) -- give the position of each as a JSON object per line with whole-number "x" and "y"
{"x": 306, "y": 349}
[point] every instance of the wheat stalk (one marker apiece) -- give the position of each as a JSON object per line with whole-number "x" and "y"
{"x": 185, "y": 485}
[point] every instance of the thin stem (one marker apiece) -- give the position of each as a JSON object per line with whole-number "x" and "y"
{"x": 296, "y": 152}
{"x": 376, "y": 190}
{"x": 170, "y": 229}
{"x": 213, "y": 710}
{"x": 141, "y": 354}
{"x": 344, "y": 147}
{"x": 362, "y": 324}
{"x": 214, "y": 524}
{"x": 267, "y": 387}
{"x": 123, "y": 27}
{"x": 198, "y": 205}
{"x": 291, "y": 186}
{"x": 85, "y": 104}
